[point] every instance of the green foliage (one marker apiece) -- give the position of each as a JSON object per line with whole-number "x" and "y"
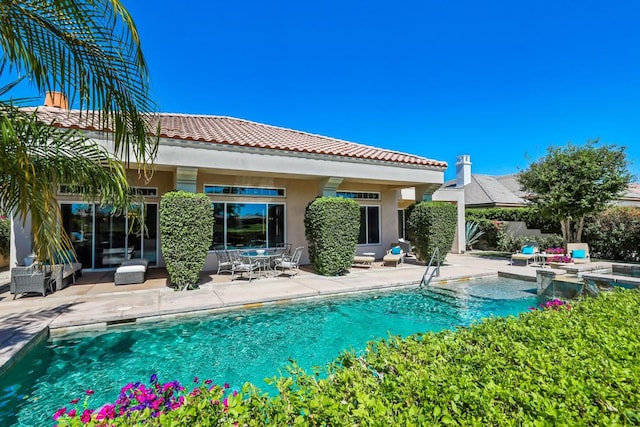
{"x": 509, "y": 243}
{"x": 433, "y": 225}
{"x": 528, "y": 215}
{"x": 572, "y": 182}
{"x": 186, "y": 227}
{"x": 5, "y": 236}
{"x": 331, "y": 227}
{"x": 562, "y": 366}
{"x": 473, "y": 233}
{"x": 614, "y": 234}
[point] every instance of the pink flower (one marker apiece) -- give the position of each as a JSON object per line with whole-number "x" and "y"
{"x": 195, "y": 380}
{"x": 226, "y": 385}
{"x": 86, "y": 416}
{"x": 60, "y": 412}
{"x": 72, "y": 413}
{"x": 76, "y": 400}
{"x": 207, "y": 382}
{"x": 89, "y": 392}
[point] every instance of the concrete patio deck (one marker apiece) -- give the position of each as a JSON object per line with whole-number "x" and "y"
{"x": 94, "y": 302}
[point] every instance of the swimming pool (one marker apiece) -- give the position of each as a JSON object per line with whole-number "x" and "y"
{"x": 240, "y": 346}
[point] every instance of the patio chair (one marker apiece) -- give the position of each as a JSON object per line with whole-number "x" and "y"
{"x": 528, "y": 253}
{"x": 285, "y": 248}
{"x": 290, "y": 264}
{"x": 224, "y": 261}
{"x": 579, "y": 252}
{"x": 395, "y": 256}
{"x": 28, "y": 279}
{"x": 406, "y": 247}
{"x": 241, "y": 265}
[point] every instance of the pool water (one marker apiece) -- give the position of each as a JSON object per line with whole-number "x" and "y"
{"x": 240, "y": 346}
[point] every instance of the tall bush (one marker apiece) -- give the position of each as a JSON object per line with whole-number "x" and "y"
{"x": 186, "y": 230}
{"x": 332, "y": 225}
{"x": 433, "y": 225}
{"x": 615, "y": 234}
{"x": 5, "y": 235}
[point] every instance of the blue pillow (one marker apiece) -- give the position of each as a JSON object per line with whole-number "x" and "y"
{"x": 579, "y": 253}
{"x": 527, "y": 250}
{"x": 395, "y": 250}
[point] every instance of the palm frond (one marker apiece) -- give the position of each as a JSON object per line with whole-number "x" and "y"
{"x": 35, "y": 157}
{"x": 89, "y": 50}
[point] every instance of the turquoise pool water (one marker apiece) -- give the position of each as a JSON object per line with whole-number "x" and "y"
{"x": 235, "y": 347}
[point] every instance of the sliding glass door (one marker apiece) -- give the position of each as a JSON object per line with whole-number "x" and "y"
{"x": 103, "y": 239}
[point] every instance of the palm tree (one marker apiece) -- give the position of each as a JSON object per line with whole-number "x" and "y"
{"x": 90, "y": 51}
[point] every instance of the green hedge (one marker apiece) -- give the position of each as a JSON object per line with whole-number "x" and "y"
{"x": 5, "y": 235}
{"x": 614, "y": 234}
{"x": 564, "y": 366}
{"x": 186, "y": 231}
{"x": 432, "y": 224}
{"x": 332, "y": 225}
{"x": 530, "y": 216}
{"x": 510, "y": 243}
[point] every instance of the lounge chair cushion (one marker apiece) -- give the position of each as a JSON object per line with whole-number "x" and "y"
{"x": 579, "y": 253}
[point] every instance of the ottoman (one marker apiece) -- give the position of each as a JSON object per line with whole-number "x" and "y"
{"x": 131, "y": 271}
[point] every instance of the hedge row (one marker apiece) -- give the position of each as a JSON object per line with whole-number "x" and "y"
{"x": 614, "y": 234}
{"x": 186, "y": 230}
{"x": 5, "y": 235}
{"x": 432, "y": 225}
{"x": 559, "y": 366}
{"x": 332, "y": 225}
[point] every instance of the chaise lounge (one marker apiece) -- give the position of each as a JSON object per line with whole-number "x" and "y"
{"x": 395, "y": 256}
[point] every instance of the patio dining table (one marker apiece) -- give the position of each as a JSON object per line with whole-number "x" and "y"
{"x": 264, "y": 258}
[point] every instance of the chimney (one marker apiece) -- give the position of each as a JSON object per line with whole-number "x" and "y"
{"x": 57, "y": 100}
{"x": 463, "y": 170}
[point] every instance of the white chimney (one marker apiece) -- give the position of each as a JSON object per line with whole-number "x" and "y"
{"x": 463, "y": 170}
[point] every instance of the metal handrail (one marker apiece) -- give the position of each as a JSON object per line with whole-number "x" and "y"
{"x": 436, "y": 271}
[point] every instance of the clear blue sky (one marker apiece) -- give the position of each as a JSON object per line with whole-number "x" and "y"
{"x": 499, "y": 80}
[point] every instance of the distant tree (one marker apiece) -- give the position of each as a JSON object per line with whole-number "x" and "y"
{"x": 572, "y": 182}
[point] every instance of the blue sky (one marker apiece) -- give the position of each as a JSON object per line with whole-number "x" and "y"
{"x": 498, "y": 80}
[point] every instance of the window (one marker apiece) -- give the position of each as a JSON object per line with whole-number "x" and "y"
{"x": 369, "y": 225}
{"x": 247, "y": 225}
{"x": 358, "y": 195}
{"x": 229, "y": 190}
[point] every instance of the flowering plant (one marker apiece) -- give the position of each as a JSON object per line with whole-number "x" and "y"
{"x": 555, "y": 251}
{"x": 141, "y": 404}
{"x": 554, "y": 304}
{"x": 561, "y": 259}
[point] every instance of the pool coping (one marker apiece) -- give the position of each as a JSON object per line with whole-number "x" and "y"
{"x": 223, "y": 297}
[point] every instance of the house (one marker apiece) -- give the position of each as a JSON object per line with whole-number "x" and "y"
{"x": 504, "y": 191}
{"x": 260, "y": 179}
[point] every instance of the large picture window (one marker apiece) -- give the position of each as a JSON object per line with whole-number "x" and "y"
{"x": 247, "y": 225}
{"x": 369, "y": 225}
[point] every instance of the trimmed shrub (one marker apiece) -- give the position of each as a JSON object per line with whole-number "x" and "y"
{"x": 186, "y": 230}
{"x": 5, "y": 235}
{"x": 614, "y": 234}
{"x": 510, "y": 243}
{"x": 332, "y": 225}
{"x": 433, "y": 225}
{"x": 558, "y": 366}
{"x": 530, "y": 216}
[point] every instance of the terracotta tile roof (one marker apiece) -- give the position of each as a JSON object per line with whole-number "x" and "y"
{"x": 244, "y": 133}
